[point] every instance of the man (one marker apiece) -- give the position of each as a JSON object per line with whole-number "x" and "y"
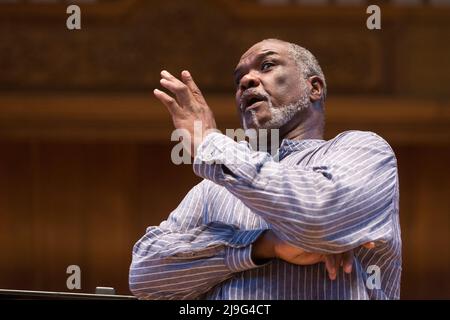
{"x": 263, "y": 227}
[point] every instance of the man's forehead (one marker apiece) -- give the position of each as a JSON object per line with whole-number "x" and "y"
{"x": 276, "y": 46}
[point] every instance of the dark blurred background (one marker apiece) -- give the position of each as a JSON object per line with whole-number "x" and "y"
{"x": 85, "y": 148}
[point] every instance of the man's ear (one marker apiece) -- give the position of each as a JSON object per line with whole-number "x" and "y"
{"x": 316, "y": 88}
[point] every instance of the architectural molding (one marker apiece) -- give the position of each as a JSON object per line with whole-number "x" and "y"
{"x": 139, "y": 117}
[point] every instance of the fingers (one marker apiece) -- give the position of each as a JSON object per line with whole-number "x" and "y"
{"x": 338, "y": 258}
{"x": 330, "y": 264}
{"x": 334, "y": 261}
{"x": 189, "y": 81}
{"x": 169, "y": 77}
{"x": 167, "y": 100}
{"x": 178, "y": 88}
{"x": 347, "y": 261}
{"x": 369, "y": 245}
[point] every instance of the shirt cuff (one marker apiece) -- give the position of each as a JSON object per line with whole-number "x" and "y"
{"x": 238, "y": 256}
{"x": 223, "y": 160}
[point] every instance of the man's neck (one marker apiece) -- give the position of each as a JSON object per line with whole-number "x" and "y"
{"x": 308, "y": 125}
{"x": 310, "y": 128}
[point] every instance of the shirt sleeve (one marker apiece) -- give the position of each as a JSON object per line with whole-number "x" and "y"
{"x": 342, "y": 201}
{"x": 183, "y": 258}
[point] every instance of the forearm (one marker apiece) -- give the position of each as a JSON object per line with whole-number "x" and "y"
{"x": 324, "y": 208}
{"x": 178, "y": 269}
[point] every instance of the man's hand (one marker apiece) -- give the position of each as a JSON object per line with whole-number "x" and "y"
{"x": 188, "y": 106}
{"x": 269, "y": 246}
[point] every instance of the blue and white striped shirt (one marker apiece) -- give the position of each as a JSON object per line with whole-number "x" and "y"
{"x": 322, "y": 196}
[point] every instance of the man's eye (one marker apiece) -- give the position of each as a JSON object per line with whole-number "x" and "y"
{"x": 266, "y": 65}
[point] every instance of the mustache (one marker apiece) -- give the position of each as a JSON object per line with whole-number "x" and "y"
{"x": 251, "y": 92}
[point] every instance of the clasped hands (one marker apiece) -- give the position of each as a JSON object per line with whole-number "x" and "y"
{"x": 269, "y": 246}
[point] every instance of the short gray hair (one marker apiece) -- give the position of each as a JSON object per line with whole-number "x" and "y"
{"x": 308, "y": 64}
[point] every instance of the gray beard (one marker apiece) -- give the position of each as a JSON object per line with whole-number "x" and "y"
{"x": 280, "y": 116}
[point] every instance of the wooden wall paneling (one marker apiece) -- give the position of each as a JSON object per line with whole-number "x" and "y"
{"x": 126, "y": 52}
{"x": 16, "y": 217}
{"x": 425, "y": 215}
{"x": 110, "y": 204}
{"x": 162, "y": 185}
{"x": 430, "y": 236}
{"x": 59, "y": 235}
{"x": 422, "y": 64}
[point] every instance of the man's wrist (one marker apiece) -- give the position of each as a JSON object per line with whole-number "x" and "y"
{"x": 263, "y": 248}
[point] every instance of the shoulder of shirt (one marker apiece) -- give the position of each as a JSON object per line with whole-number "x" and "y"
{"x": 356, "y": 138}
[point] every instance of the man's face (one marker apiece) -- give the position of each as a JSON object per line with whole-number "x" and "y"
{"x": 270, "y": 90}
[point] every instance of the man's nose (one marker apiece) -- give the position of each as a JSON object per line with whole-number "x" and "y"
{"x": 250, "y": 80}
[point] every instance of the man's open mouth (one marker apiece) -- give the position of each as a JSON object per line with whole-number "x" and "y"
{"x": 251, "y": 100}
